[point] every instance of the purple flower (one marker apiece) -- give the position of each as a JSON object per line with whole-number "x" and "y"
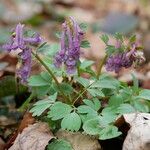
{"x": 18, "y": 41}
{"x": 24, "y": 71}
{"x": 69, "y": 53}
{"x": 124, "y": 59}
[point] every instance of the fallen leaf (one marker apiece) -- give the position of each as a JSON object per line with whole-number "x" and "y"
{"x": 2, "y": 144}
{"x": 26, "y": 121}
{"x": 79, "y": 141}
{"x": 34, "y": 137}
{"x": 138, "y": 137}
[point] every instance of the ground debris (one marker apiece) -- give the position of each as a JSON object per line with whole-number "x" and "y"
{"x": 138, "y": 137}
{"x": 34, "y": 137}
{"x": 79, "y": 141}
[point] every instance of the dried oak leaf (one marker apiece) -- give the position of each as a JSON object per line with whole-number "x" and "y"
{"x": 2, "y": 144}
{"x": 138, "y": 137}
{"x": 34, "y": 137}
{"x": 79, "y": 141}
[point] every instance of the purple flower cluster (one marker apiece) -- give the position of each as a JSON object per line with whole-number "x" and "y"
{"x": 69, "y": 53}
{"x": 18, "y": 41}
{"x": 125, "y": 59}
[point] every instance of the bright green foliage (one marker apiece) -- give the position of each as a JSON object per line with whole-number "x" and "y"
{"x": 95, "y": 92}
{"x": 115, "y": 100}
{"x": 109, "y": 132}
{"x": 83, "y": 81}
{"x": 59, "y": 144}
{"x": 66, "y": 88}
{"x": 42, "y": 79}
{"x": 125, "y": 108}
{"x": 94, "y": 104}
{"x": 140, "y": 106}
{"x": 85, "y": 44}
{"x": 109, "y": 114}
{"x": 84, "y": 26}
{"x": 71, "y": 122}
{"x": 85, "y": 64}
{"x": 105, "y": 38}
{"x": 59, "y": 110}
{"x": 84, "y": 109}
{"x": 92, "y": 126}
{"x": 107, "y": 82}
{"x": 42, "y": 105}
{"x": 97, "y": 127}
{"x": 49, "y": 50}
{"x": 73, "y": 101}
{"x": 144, "y": 94}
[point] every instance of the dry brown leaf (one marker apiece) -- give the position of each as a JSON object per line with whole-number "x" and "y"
{"x": 27, "y": 120}
{"x": 138, "y": 137}
{"x": 2, "y": 144}
{"x": 34, "y": 137}
{"x": 79, "y": 141}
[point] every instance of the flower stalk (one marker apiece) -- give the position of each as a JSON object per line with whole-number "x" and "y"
{"x": 101, "y": 63}
{"x": 51, "y": 74}
{"x": 25, "y": 105}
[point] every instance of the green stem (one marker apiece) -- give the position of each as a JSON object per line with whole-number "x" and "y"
{"x": 100, "y": 66}
{"x": 51, "y": 73}
{"x": 81, "y": 93}
{"x": 46, "y": 67}
{"x": 26, "y": 103}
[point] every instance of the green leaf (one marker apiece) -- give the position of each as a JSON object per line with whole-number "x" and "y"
{"x": 119, "y": 36}
{"x": 42, "y": 79}
{"x": 144, "y": 94}
{"x": 42, "y": 105}
{"x": 59, "y": 110}
{"x": 83, "y": 81}
{"x": 109, "y": 115}
{"x": 85, "y": 44}
{"x": 107, "y": 82}
{"x": 92, "y": 126}
{"x": 109, "y": 132}
{"x": 40, "y": 91}
{"x": 125, "y": 108}
{"x": 84, "y": 109}
{"x": 66, "y": 88}
{"x": 105, "y": 38}
{"x": 49, "y": 50}
{"x": 94, "y": 104}
{"x": 59, "y": 144}
{"x": 132, "y": 39}
{"x": 140, "y": 106}
{"x": 115, "y": 100}
{"x": 46, "y": 76}
{"x": 88, "y": 116}
{"x": 95, "y": 92}
{"x": 110, "y": 49}
{"x": 84, "y": 26}
{"x": 71, "y": 122}
{"x": 86, "y": 63}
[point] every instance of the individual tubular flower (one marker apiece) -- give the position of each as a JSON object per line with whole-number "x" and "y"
{"x": 19, "y": 41}
{"x": 24, "y": 71}
{"x": 124, "y": 59}
{"x": 69, "y": 53}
